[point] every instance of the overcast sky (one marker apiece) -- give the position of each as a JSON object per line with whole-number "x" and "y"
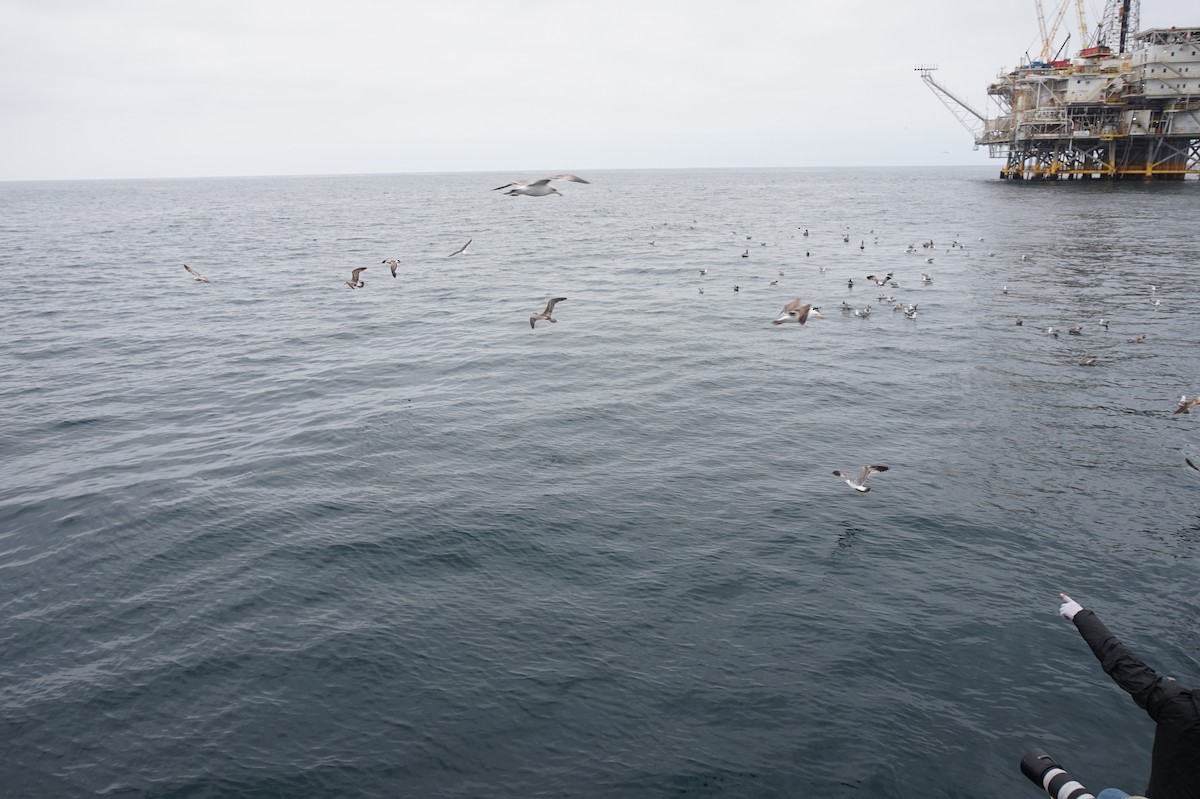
{"x": 153, "y": 88}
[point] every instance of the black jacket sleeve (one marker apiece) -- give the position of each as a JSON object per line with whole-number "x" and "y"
{"x": 1147, "y": 688}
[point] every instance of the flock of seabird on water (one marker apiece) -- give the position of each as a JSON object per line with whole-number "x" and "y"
{"x": 796, "y": 311}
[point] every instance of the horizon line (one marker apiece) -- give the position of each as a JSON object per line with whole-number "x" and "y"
{"x": 484, "y": 172}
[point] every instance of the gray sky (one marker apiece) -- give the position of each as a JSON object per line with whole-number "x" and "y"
{"x": 152, "y": 88}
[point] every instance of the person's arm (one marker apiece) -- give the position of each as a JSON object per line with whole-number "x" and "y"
{"x": 1140, "y": 681}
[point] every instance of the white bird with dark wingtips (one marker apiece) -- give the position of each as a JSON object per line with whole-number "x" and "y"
{"x": 460, "y": 250}
{"x": 355, "y": 282}
{"x": 392, "y": 264}
{"x": 546, "y": 313}
{"x": 796, "y": 311}
{"x": 196, "y": 276}
{"x": 857, "y": 483}
{"x": 537, "y": 188}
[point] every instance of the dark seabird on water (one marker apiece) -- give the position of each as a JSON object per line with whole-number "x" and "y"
{"x": 796, "y": 311}
{"x": 1186, "y": 405}
{"x": 546, "y": 313}
{"x": 199, "y": 278}
{"x": 857, "y": 483}
{"x": 355, "y": 282}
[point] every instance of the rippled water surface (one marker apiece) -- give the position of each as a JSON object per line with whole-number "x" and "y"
{"x": 270, "y": 536}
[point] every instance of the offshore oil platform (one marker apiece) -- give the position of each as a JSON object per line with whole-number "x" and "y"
{"x": 1126, "y": 106}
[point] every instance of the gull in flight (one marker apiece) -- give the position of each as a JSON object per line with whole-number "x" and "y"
{"x": 355, "y": 282}
{"x": 796, "y": 311}
{"x": 392, "y": 264}
{"x": 1186, "y": 405}
{"x": 196, "y": 276}
{"x": 537, "y": 188}
{"x": 546, "y": 313}
{"x": 459, "y": 251}
{"x": 878, "y": 281}
{"x": 857, "y": 483}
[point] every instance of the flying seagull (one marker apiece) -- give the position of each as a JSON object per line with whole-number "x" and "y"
{"x": 796, "y": 311}
{"x": 392, "y": 264}
{"x": 1186, "y": 405}
{"x": 354, "y": 282}
{"x": 199, "y": 278}
{"x": 857, "y": 484}
{"x": 537, "y": 188}
{"x": 879, "y": 282}
{"x": 1189, "y": 463}
{"x": 459, "y": 251}
{"x": 546, "y": 313}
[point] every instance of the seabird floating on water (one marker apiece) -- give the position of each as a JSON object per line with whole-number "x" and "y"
{"x": 857, "y": 483}
{"x": 1186, "y": 405}
{"x": 355, "y": 282}
{"x": 537, "y": 188}
{"x": 546, "y": 313}
{"x": 199, "y": 278}
{"x": 796, "y": 311}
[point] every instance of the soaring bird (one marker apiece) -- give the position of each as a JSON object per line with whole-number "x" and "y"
{"x": 880, "y": 281}
{"x": 392, "y": 264}
{"x": 546, "y": 313}
{"x": 796, "y": 311}
{"x": 537, "y": 188}
{"x": 459, "y": 251}
{"x": 199, "y": 278}
{"x": 1186, "y": 405}
{"x": 857, "y": 483}
{"x": 354, "y": 282}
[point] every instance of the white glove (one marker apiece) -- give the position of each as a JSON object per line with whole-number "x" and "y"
{"x": 1069, "y": 607}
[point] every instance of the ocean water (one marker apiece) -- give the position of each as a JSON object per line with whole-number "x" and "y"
{"x": 270, "y": 536}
